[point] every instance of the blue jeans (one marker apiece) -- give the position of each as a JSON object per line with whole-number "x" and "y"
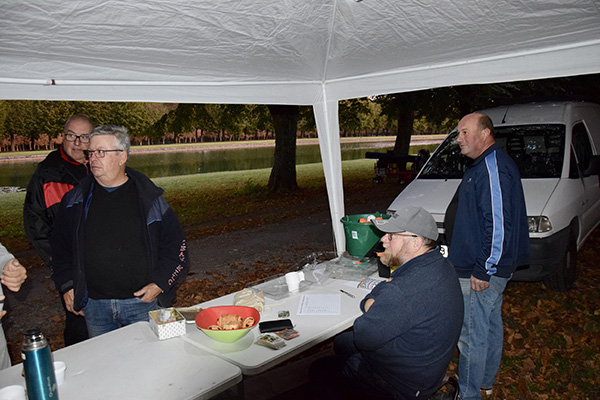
{"x": 105, "y": 315}
{"x": 481, "y": 337}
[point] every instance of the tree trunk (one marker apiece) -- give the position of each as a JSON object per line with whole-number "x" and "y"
{"x": 283, "y": 174}
{"x": 406, "y": 119}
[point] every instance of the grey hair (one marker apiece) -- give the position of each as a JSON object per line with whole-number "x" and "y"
{"x": 119, "y": 132}
{"x": 429, "y": 243}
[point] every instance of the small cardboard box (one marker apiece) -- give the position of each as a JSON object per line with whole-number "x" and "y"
{"x": 175, "y": 326}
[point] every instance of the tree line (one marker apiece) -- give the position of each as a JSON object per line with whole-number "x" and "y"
{"x": 38, "y": 124}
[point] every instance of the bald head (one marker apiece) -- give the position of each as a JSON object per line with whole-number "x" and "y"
{"x": 475, "y": 134}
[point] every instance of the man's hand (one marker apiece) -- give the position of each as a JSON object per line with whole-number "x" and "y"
{"x": 148, "y": 292}
{"x": 13, "y": 275}
{"x": 3, "y": 312}
{"x": 368, "y": 304}
{"x": 478, "y": 285}
{"x": 69, "y": 299}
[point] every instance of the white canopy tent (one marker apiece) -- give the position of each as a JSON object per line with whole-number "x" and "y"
{"x": 311, "y": 52}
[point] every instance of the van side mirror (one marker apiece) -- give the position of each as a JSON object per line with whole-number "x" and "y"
{"x": 593, "y": 167}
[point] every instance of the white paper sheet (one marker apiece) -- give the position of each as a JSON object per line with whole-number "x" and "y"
{"x": 320, "y": 304}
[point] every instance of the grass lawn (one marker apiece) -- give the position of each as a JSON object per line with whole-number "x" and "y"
{"x": 202, "y": 197}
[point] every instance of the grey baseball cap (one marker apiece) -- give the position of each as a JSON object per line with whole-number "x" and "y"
{"x": 409, "y": 219}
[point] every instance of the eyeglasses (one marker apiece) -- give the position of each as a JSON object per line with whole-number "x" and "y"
{"x": 71, "y": 137}
{"x": 97, "y": 153}
{"x": 390, "y": 236}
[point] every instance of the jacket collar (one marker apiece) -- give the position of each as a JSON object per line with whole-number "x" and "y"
{"x": 66, "y": 157}
{"x": 487, "y": 151}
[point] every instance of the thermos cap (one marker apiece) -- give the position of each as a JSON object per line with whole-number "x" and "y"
{"x": 34, "y": 338}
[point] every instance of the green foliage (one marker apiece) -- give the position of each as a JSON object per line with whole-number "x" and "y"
{"x": 306, "y": 119}
{"x": 350, "y": 112}
{"x": 234, "y": 119}
{"x": 33, "y": 118}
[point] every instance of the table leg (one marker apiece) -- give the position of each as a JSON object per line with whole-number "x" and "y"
{"x": 240, "y": 390}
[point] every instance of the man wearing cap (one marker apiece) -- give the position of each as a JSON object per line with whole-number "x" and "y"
{"x": 401, "y": 346}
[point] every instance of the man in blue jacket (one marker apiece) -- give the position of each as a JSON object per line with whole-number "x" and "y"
{"x": 117, "y": 246}
{"x": 489, "y": 240}
{"x": 401, "y": 346}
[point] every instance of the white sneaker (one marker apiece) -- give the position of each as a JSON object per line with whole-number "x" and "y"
{"x": 486, "y": 392}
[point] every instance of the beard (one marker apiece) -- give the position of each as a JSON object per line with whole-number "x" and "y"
{"x": 392, "y": 260}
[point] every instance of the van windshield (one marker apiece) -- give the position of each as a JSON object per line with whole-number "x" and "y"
{"x": 538, "y": 151}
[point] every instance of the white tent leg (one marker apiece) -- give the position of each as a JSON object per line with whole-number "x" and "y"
{"x": 326, "y": 116}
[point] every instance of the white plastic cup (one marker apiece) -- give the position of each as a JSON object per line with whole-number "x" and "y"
{"x": 12, "y": 392}
{"x": 293, "y": 280}
{"x": 59, "y": 372}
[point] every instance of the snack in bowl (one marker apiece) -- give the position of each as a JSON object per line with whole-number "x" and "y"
{"x": 227, "y": 324}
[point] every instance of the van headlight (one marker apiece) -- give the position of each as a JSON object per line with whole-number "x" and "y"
{"x": 539, "y": 224}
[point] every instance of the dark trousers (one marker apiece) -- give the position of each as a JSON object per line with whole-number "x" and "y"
{"x": 75, "y": 327}
{"x": 344, "y": 377}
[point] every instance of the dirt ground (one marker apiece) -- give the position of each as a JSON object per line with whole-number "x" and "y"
{"x": 245, "y": 248}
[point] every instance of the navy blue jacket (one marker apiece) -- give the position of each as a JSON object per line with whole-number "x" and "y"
{"x": 165, "y": 240}
{"x": 409, "y": 335}
{"x": 491, "y": 235}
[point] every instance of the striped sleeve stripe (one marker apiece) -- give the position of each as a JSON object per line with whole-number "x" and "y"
{"x": 497, "y": 214}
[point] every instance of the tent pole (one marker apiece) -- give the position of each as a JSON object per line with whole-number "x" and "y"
{"x": 326, "y": 116}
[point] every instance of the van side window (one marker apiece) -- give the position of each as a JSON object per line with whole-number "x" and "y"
{"x": 581, "y": 147}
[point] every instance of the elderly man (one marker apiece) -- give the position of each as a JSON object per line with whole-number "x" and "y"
{"x": 490, "y": 239}
{"x": 60, "y": 172}
{"x": 403, "y": 343}
{"x": 117, "y": 248}
{"x": 13, "y": 276}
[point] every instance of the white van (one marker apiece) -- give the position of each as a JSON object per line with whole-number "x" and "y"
{"x": 556, "y": 147}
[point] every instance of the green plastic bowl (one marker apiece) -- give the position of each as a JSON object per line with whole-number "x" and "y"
{"x": 209, "y": 316}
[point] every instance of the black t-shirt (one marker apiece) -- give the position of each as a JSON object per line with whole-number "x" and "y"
{"x": 116, "y": 260}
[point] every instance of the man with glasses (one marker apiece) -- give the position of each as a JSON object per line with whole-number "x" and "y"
{"x": 60, "y": 171}
{"x": 403, "y": 343}
{"x": 117, "y": 248}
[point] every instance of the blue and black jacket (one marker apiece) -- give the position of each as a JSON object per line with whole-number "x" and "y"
{"x": 490, "y": 235}
{"x": 165, "y": 240}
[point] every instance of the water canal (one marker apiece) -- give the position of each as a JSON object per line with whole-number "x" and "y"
{"x": 173, "y": 163}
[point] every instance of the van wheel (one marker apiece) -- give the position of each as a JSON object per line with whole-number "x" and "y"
{"x": 565, "y": 272}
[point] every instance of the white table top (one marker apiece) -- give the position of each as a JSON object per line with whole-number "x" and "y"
{"x": 131, "y": 363}
{"x": 313, "y": 329}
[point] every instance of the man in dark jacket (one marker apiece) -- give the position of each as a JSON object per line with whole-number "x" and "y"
{"x": 117, "y": 247}
{"x": 402, "y": 345}
{"x": 60, "y": 171}
{"x": 489, "y": 240}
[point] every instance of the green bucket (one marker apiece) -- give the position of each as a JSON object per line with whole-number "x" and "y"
{"x": 361, "y": 236}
